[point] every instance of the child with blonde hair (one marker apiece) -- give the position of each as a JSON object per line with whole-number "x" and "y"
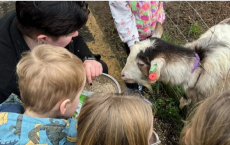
{"x": 210, "y": 124}
{"x": 51, "y": 80}
{"x": 115, "y": 119}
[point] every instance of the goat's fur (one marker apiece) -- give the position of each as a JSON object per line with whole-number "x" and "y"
{"x": 174, "y": 63}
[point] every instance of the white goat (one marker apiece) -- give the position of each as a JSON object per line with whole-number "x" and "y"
{"x": 176, "y": 64}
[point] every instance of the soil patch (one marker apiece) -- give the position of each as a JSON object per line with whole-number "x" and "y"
{"x": 100, "y": 46}
{"x": 103, "y": 16}
{"x": 185, "y": 14}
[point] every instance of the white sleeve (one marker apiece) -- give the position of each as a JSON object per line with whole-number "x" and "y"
{"x": 124, "y": 21}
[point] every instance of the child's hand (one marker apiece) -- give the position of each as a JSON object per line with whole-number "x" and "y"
{"x": 93, "y": 69}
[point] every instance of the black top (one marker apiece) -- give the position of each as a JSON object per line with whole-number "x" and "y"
{"x": 12, "y": 45}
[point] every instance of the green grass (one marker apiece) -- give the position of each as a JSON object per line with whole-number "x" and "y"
{"x": 195, "y": 30}
{"x": 117, "y": 41}
{"x": 166, "y": 106}
{"x": 170, "y": 39}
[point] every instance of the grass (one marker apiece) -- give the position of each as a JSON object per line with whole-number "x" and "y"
{"x": 166, "y": 106}
{"x": 117, "y": 41}
{"x": 170, "y": 39}
{"x": 167, "y": 110}
{"x": 195, "y": 30}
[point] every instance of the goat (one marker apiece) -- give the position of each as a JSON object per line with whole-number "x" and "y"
{"x": 200, "y": 67}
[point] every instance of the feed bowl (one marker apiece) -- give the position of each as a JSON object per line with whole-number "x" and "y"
{"x": 102, "y": 84}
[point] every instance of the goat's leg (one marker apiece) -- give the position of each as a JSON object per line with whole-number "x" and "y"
{"x": 184, "y": 101}
{"x": 190, "y": 96}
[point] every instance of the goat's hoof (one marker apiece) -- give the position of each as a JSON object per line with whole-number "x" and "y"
{"x": 184, "y": 102}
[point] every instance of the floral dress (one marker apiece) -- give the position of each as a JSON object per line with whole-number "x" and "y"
{"x": 136, "y": 20}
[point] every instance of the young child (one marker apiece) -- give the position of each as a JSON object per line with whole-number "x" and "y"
{"x": 210, "y": 125}
{"x": 115, "y": 119}
{"x": 135, "y": 21}
{"x": 51, "y": 80}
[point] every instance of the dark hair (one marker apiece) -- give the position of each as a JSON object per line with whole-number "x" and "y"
{"x": 53, "y": 18}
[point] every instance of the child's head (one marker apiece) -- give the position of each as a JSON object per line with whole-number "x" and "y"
{"x": 210, "y": 124}
{"x": 49, "y": 76}
{"x": 113, "y": 119}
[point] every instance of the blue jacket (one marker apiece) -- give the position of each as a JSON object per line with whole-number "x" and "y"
{"x": 16, "y": 128}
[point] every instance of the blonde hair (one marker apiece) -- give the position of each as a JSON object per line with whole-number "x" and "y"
{"x": 210, "y": 123}
{"x": 48, "y": 74}
{"x": 113, "y": 119}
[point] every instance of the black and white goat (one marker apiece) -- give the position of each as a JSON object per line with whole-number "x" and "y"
{"x": 200, "y": 67}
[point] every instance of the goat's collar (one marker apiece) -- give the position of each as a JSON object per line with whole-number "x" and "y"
{"x": 196, "y": 63}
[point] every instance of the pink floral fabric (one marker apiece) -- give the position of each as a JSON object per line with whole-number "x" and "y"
{"x": 147, "y": 13}
{"x": 136, "y": 20}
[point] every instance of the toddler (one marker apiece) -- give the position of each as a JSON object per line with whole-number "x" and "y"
{"x": 51, "y": 80}
{"x": 115, "y": 119}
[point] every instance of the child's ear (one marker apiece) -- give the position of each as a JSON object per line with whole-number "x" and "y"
{"x": 64, "y": 105}
{"x": 159, "y": 62}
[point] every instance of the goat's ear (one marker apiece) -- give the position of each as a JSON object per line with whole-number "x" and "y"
{"x": 160, "y": 63}
{"x": 158, "y": 30}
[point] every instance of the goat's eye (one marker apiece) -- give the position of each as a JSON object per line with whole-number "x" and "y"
{"x": 140, "y": 64}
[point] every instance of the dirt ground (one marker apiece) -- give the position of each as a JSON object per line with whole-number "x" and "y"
{"x": 179, "y": 15}
{"x": 99, "y": 46}
{"x": 184, "y": 16}
{"x": 180, "y": 12}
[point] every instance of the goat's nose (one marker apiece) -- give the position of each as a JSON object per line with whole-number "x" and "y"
{"x": 122, "y": 74}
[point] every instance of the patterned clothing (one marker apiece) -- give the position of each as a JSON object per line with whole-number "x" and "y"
{"x": 136, "y": 20}
{"x": 18, "y": 129}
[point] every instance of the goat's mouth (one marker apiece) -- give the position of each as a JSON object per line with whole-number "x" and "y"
{"x": 129, "y": 81}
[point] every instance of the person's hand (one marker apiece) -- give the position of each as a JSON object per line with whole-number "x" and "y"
{"x": 93, "y": 69}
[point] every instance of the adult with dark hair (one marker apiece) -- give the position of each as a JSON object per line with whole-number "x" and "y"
{"x": 43, "y": 22}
